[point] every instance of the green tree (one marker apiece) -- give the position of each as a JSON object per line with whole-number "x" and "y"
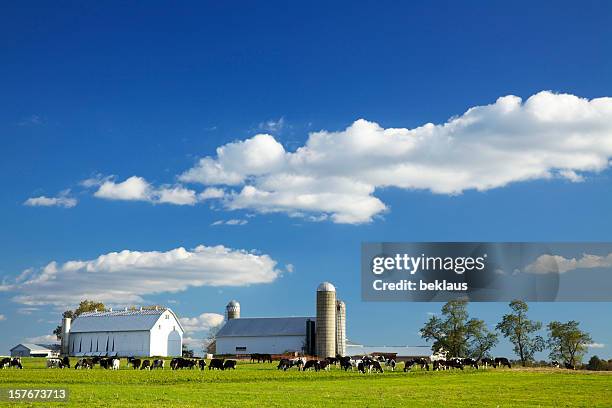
{"x": 567, "y": 342}
{"x": 482, "y": 340}
{"x": 517, "y": 328}
{"x": 456, "y": 333}
{"x": 596, "y": 364}
{"x": 84, "y": 306}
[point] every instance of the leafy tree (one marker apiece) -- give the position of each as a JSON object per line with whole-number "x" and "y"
{"x": 482, "y": 341}
{"x": 456, "y": 333}
{"x": 84, "y": 306}
{"x": 596, "y": 364}
{"x": 567, "y": 342}
{"x": 211, "y": 338}
{"x": 517, "y": 328}
{"x": 187, "y": 352}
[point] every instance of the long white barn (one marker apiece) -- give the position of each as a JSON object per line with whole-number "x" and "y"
{"x": 124, "y": 333}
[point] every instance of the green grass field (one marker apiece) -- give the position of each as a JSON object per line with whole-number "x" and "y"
{"x": 263, "y": 385}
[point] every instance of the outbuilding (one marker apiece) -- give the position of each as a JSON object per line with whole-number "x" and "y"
{"x": 35, "y": 350}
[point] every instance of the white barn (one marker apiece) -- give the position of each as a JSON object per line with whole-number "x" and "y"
{"x": 124, "y": 333}
{"x": 274, "y": 335}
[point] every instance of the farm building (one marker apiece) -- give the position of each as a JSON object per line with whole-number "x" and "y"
{"x": 35, "y": 350}
{"x": 323, "y": 335}
{"x": 399, "y": 353}
{"x": 123, "y": 333}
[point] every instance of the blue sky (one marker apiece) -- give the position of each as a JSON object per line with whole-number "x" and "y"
{"x": 93, "y": 91}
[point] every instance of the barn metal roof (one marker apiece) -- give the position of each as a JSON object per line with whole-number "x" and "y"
{"x": 265, "y": 326}
{"x": 35, "y": 347}
{"x": 119, "y": 320}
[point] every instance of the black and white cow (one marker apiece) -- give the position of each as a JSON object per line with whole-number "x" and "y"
{"x": 501, "y": 361}
{"x": 486, "y": 362}
{"x": 158, "y": 363}
{"x": 216, "y": 364}
{"x": 315, "y": 364}
{"x": 134, "y": 362}
{"x": 229, "y": 365}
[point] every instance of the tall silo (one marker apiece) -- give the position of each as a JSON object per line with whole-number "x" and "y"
{"x": 233, "y": 310}
{"x": 326, "y": 320}
{"x": 66, "y": 321}
{"x": 340, "y": 328}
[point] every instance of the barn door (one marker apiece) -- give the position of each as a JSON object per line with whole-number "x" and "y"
{"x": 174, "y": 344}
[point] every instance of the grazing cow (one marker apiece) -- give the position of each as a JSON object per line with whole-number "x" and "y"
{"x": 555, "y": 364}
{"x": 470, "y": 362}
{"x": 134, "y": 362}
{"x": 316, "y": 364}
{"x": 259, "y": 357}
{"x": 361, "y": 367}
{"x": 66, "y": 362}
{"x": 501, "y": 361}
{"x": 115, "y": 363}
{"x": 54, "y": 363}
{"x": 324, "y": 365}
{"x": 15, "y": 363}
{"x": 84, "y": 363}
{"x": 391, "y": 364}
{"x": 180, "y": 363}
{"x": 5, "y": 362}
{"x": 570, "y": 366}
{"x": 332, "y": 360}
{"x": 454, "y": 363}
{"x": 216, "y": 364}
{"x": 158, "y": 363}
{"x": 229, "y": 365}
{"x": 345, "y": 363}
{"x": 106, "y": 363}
{"x": 375, "y": 365}
{"x": 419, "y": 362}
{"x": 487, "y": 362}
{"x": 283, "y": 364}
{"x": 202, "y": 364}
{"x": 146, "y": 365}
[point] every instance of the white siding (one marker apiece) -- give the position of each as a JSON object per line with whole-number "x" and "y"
{"x": 166, "y": 337}
{"x": 271, "y": 344}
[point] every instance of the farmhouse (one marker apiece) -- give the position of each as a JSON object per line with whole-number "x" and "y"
{"x": 35, "y": 350}
{"x": 323, "y": 335}
{"x": 124, "y": 333}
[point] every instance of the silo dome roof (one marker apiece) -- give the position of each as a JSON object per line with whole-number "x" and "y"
{"x": 233, "y": 303}
{"x": 326, "y": 287}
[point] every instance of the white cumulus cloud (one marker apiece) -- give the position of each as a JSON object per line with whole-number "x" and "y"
{"x": 138, "y": 189}
{"x": 43, "y": 339}
{"x": 559, "y": 264}
{"x": 338, "y": 173}
{"x": 596, "y": 345}
{"x": 123, "y": 278}
{"x": 202, "y": 323}
{"x": 62, "y": 200}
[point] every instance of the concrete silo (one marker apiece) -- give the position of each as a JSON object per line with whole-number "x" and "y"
{"x": 340, "y": 328}
{"x": 326, "y": 320}
{"x": 233, "y": 310}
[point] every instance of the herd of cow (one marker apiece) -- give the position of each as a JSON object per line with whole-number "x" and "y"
{"x": 375, "y": 363}
{"x": 113, "y": 363}
{"x": 437, "y": 361}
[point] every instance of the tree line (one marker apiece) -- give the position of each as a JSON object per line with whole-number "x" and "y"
{"x": 462, "y": 336}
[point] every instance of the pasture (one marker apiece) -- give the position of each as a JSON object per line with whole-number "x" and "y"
{"x": 261, "y": 384}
